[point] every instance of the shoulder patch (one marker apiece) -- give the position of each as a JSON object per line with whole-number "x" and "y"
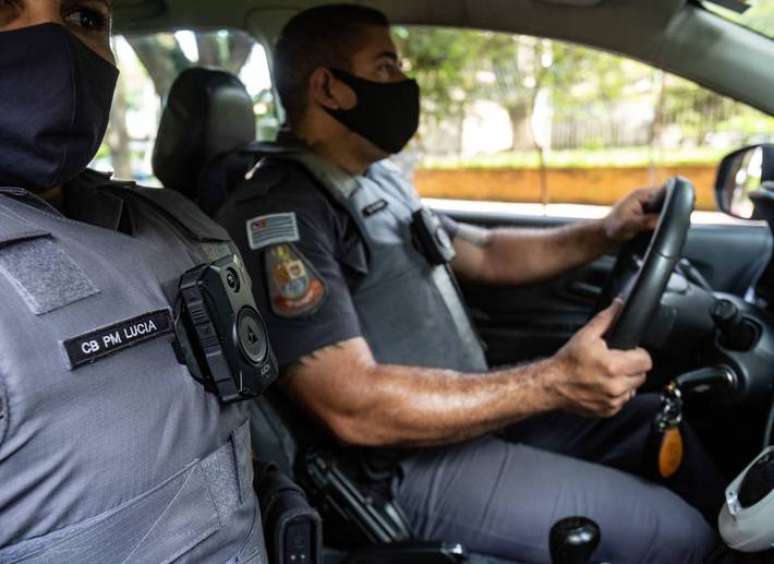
{"x": 295, "y": 288}
{"x": 266, "y": 230}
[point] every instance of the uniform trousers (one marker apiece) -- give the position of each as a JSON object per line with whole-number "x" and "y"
{"x": 500, "y": 494}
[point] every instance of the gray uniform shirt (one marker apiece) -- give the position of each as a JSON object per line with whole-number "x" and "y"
{"x": 109, "y": 450}
{"x": 328, "y": 237}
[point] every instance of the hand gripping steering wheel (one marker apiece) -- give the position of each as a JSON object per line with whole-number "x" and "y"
{"x": 642, "y": 282}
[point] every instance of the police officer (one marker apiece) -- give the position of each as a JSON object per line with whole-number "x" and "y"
{"x": 109, "y": 450}
{"x": 376, "y": 345}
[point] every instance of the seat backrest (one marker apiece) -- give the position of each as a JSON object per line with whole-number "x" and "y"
{"x": 208, "y": 116}
{"x": 222, "y": 174}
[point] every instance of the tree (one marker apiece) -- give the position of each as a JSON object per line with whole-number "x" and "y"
{"x": 596, "y": 99}
{"x": 518, "y": 64}
{"x": 441, "y": 60}
{"x": 240, "y": 47}
{"x": 162, "y": 58}
{"x": 117, "y": 136}
{"x": 452, "y": 65}
{"x": 760, "y": 17}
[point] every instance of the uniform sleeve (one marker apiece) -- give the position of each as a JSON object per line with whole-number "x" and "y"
{"x": 319, "y": 245}
{"x": 451, "y": 226}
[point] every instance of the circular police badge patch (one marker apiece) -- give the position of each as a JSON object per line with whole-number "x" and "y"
{"x": 295, "y": 288}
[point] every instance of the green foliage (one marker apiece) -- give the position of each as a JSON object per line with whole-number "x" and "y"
{"x": 589, "y": 91}
{"x": 441, "y": 60}
{"x": 759, "y": 17}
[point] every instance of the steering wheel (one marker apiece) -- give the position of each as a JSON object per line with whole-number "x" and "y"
{"x": 642, "y": 282}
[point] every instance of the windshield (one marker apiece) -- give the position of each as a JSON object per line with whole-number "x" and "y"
{"x": 758, "y": 17}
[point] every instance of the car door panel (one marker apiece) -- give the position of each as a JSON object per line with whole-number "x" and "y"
{"x": 520, "y": 323}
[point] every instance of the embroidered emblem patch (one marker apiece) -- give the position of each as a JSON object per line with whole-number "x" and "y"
{"x": 272, "y": 229}
{"x": 91, "y": 346}
{"x": 295, "y": 288}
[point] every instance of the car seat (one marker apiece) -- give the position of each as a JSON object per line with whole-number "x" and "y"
{"x": 205, "y": 147}
{"x": 206, "y": 137}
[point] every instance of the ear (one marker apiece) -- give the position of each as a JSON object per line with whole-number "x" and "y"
{"x": 329, "y": 92}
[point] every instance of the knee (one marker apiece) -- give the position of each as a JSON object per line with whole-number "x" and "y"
{"x": 660, "y": 529}
{"x": 683, "y": 536}
{"x": 691, "y": 547}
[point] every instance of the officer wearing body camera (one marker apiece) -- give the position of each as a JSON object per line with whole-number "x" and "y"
{"x": 110, "y": 449}
{"x": 357, "y": 280}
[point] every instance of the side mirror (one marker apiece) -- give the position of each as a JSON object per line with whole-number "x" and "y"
{"x": 740, "y": 173}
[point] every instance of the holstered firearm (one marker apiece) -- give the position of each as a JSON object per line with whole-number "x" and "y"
{"x": 370, "y": 518}
{"x": 293, "y": 529}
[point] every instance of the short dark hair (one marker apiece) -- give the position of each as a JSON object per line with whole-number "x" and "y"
{"x": 324, "y": 36}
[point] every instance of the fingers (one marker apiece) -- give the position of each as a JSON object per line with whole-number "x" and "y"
{"x": 622, "y": 387}
{"x": 651, "y": 192}
{"x": 633, "y": 362}
{"x": 614, "y": 403}
{"x": 650, "y": 222}
{"x": 595, "y": 378}
{"x": 602, "y": 321}
{"x": 629, "y": 385}
{"x": 649, "y": 195}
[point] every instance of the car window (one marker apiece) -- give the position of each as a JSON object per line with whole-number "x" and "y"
{"x": 757, "y": 15}
{"x": 149, "y": 65}
{"x": 559, "y": 127}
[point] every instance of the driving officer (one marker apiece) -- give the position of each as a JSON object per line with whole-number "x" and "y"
{"x": 376, "y": 345}
{"x": 109, "y": 450}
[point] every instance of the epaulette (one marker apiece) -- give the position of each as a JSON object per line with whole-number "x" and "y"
{"x": 183, "y": 211}
{"x": 179, "y": 209}
{"x": 269, "y": 173}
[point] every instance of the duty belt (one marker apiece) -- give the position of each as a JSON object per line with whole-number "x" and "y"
{"x": 149, "y": 527}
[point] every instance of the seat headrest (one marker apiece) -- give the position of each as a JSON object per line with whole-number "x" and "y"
{"x": 208, "y": 112}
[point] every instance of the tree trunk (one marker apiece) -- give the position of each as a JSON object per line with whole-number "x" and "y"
{"x": 540, "y": 75}
{"x": 459, "y": 137}
{"x": 240, "y": 46}
{"x": 541, "y": 154}
{"x": 209, "y": 50}
{"x": 521, "y": 131}
{"x": 117, "y": 137}
{"x": 163, "y": 64}
{"x": 654, "y": 131}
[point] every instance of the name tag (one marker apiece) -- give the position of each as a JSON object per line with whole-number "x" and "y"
{"x": 375, "y": 207}
{"x": 105, "y": 341}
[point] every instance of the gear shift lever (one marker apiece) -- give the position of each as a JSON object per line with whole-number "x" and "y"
{"x": 573, "y": 540}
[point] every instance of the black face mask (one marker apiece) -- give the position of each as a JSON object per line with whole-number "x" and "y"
{"x": 55, "y": 97}
{"x": 387, "y": 113}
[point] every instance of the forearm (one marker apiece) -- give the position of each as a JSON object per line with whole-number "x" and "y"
{"x": 521, "y": 256}
{"x": 421, "y": 407}
{"x": 374, "y": 404}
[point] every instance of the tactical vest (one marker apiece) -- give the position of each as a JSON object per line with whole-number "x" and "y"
{"x": 410, "y": 311}
{"x": 123, "y": 458}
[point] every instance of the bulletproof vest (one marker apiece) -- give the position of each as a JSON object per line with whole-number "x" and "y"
{"x": 109, "y": 450}
{"x": 410, "y": 311}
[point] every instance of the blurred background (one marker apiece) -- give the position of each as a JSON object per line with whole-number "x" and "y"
{"x": 505, "y": 118}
